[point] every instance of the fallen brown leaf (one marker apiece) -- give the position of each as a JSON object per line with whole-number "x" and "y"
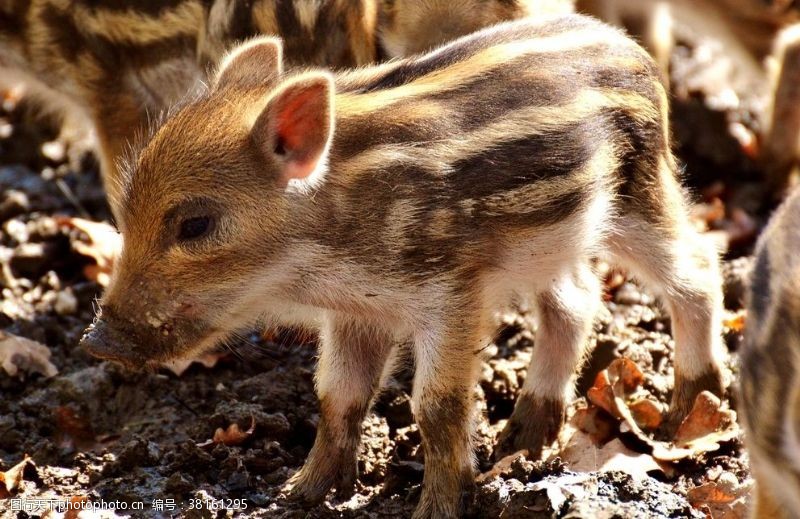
{"x": 103, "y": 246}
{"x": 231, "y": 436}
{"x": 626, "y": 372}
{"x": 594, "y": 423}
{"x": 707, "y": 425}
{"x": 11, "y": 479}
{"x": 18, "y": 355}
{"x": 75, "y": 509}
{"x": 601, "y": 394}
{"x": 735, "y": 321}
{"x": 706, "y": 418}
{"x": 581, "y": 454}
{"x": 647, "y": 414}
{"x": 501, "y": 466}
{"x": 74, "y": 429}
{"x": 721, "y": 499}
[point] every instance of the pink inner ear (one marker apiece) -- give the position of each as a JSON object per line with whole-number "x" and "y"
{"x": 301, "y": 125}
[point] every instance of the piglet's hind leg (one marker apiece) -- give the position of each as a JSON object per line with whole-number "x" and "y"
{"x": 565, "y": 314}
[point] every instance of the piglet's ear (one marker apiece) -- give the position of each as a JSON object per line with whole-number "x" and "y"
{"x": 295, "y": 128}
{"x": 253, "y": 64}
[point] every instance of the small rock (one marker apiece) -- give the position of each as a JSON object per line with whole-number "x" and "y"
{"x": 628, "y": 294}
{"x": 6, "y": 129}
{"x": 17, "y": 230}
{"x": 178, "y": 484}
{"x": 54, "y": 151}
{"x": 66, "y": 303}
{"x": 14, "y": 202}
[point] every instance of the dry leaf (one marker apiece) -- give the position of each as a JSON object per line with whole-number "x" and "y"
{"x": 75, "y": 510}
{"x": 179, "y": 366}
{"x": 624, "y": 371}
{"x": 601, "y": 394}
{"x": 706, "y": 417}
{"x": 721, "y": 499}
{"x": 18, "y": 354}
{"x": 231, "y": 436}
{"x": 583, "y": 455}
{"x": 647, "y": 414}
{"x": 11, "y": 479}
{"x": 707, "y": 425}
{"x": 74, "y": 429}
{"x": 735, "y": 321}
{"x": 594, "y": 423}
{"x": 621, "y": 377}
{"x": 104, "y": 246}
{"x": 501, "y": 466}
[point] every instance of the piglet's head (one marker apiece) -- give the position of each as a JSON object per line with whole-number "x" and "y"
{"x": 209, "y": 207}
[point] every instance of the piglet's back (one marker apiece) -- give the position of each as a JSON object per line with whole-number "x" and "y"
{"x": 517, "y": 125}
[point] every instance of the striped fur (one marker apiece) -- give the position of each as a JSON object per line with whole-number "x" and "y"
{"x": 770, "y": 374}
{"x": 501, "y": 163}
{"x": 113, "y": 66}
{"x": 413, "y": 26}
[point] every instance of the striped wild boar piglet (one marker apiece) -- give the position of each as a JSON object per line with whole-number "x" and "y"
{"x": 770, "y": 374}
{"x": 406, "y": 203}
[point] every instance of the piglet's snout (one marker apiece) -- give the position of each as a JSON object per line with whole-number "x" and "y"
{"x": 102, "y": 341}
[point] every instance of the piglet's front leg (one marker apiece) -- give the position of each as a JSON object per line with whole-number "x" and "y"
{"x": 352, "y": 358}
{"x": 446, "y": 374}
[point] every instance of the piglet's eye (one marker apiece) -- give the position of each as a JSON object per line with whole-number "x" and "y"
{"x": 195, "y": 227}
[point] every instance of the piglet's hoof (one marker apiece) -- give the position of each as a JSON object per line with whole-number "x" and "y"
{"x": 534, "y": 424}
{"x": 310, "y": 485}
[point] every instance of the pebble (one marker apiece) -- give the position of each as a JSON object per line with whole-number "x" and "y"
{"x": 6, "y": 129}
{"x": 17, "y": 230}
{"x": 628, "y": 294}
{"x": 54, "y": 151}
{"x": 66, "y": 303}
{"x": 728, "y": 480}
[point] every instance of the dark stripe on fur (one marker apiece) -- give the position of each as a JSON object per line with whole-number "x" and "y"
{"x": 148, "y": 7}
{"x": 526, "y": 160}
{"x": 768, "y": 357}
{"x": 470, "y": 45}
{"x": 113, "y": 56}
{"x": 13, "y": 18}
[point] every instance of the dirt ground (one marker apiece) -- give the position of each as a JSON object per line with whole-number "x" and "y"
{"x": 95, "y": 432}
